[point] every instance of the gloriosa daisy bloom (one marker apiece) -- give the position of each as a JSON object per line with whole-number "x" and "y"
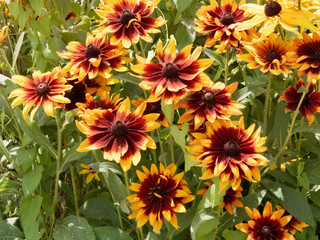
{"x": 220, "y": 23}
{"x": 160, "y": 194}
{"x": 271, "y": 54}
{"x": 211, "y": 102}
{"x": 174, "y": 75}
{"x": 273, "y": 13}
{"x": 308, "y": 53}
{"x": 97, "y": 58}
{"x": 46, "y": 89}
{"x": 230, "y": 151}
{"x": 91, "y": 175}
{"x": 269, "y": 226}
{"x": 128, "y": 20}
{"x": 121, "y": 133}
{"x": 77, "y": 94}
{"x": 310, "y": 103}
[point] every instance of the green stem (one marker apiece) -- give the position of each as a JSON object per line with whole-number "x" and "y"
{"x": 58, "y": 160}
{"x": 161, "y": 146}
{"x": 88, "y": 7}
{"x": 171, "y": 138}
{"x": 227, "y": 67}
{"x": 59, "y": 14}
{"x": 154, "y": 153}
{"x": 300, "y": 136}
{"x": 244, "y": 75}
{"x": 112, "y": 196}
{"x": 266, "y": 105}
{"x": 74, "y": 188}
{"x": 141, "y": 49}
{"x": 127, "y": 181}
{"x": 137, "y": 53}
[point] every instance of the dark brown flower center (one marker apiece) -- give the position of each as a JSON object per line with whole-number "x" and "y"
{"x": 119, "y": 128}
{"x": 317, "y": 55}
{"x": 158, "y": 192}
{"x": 272, "y": 8}
{"x": 126, "y": 16}
{"x": 208, "y": 97}
{"x": 227, "y": 19}
{"x": 266, "y": 231}
{"x": 42, "y": 88}
{"x": 271, "y": 55}
{"x": 231, "y": 148}
{"x": 170, "y": 70}
{"x": 306, "y": 100}
{"x": 92, "y": 51}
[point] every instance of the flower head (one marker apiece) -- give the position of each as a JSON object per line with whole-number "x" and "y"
{"x": 91, "y": 175}
{"x": 220, "y": 23}
{"x": 159, "y": 195}
{"x": 77, "y": 94}
{"x": 229, "y": 150}
{"x": 308, "y": 53}
{"x": 128, "y": 20}
{"x": 211, "y": 102}
{"x": 121, "y": 133}
{"x": 45, "y": 89}
{"x": 174, "y": 75}
{"x": 271, "y": 55}
{"x": 273, "y": 13}
{"x": 269, "y": 226}
{"x": 310, "y": 103}
{"x": 97, "y": 85}
{"x": 95, "y": 58}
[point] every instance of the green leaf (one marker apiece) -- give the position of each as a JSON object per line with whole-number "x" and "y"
{"x": 314, "y": 194}
{"x": 314, "y": 128}
{"x": 234, "y": 235}
{"x": 26, "y": 157}
{"x": 283, "y": 176}
{"x": 3, "y": 79}
{"x": 312, "y": 169}
{"x": 127, "y": 78}
{"x": 108, "y": 166}
{"x": 17, "y": 50}
{"x": 167, "y": 110}
{"x": 281, "y": 123}
{"x": 290, "y": 198}
{"x": 8, "y": 186}
{"x": 73, "y": 228}
{"x": 117, "y": 187}
{"x": 30, "y": 209}
{"x": 10, "y": 232}
{"x": 31, "y": 180}
{"x": 204, "y": 224}
{"x": 84, "y": 24}
{"x": 180, "y": 136}
{"x": 34, "y": 132}
{"x": 111, "y": 233}
{"x": 217, "y": 57}
{"x": 182, "y": 5}
{"x": 64, "y": 7}
{"x": 37, "y": 6}
{"x": 71, "y": 156}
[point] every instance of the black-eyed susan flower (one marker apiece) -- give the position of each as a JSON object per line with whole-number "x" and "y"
{"x": 99, "y": 84}
{"x": 272, "y": 55}
{"x": 173, "y": 75}
{"x": 268, "y": 226}
{"x": 105, "y": 102}
{"x": 45, "y": 89}
{"x": 310, "y": 103}
{"x": 92, "y": 174}
{"x": 4, "y": 33}
{"x": 77, "y": 94}
{"x": 273, "y": 13}
{"x": 229, "y": 151}
{"x": 231, "y": 198}
{"x": 97, "y": 58}
{"x": 160, "y": 194}
{"x": 208, "y": 104}
{"x": 153, "y": 107}
{"x": 220, "y": 22}
{"x": 308, "y": 53}
{"x": 120, "y": 133}
{"x": 128, "y": 20}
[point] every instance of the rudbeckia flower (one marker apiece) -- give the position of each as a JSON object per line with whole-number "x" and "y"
{"x": 91, "y": 175}
{"x": 45, "y": 89}
{"x": 153, "y": 107}
{"x": 128, "y": 20}
{"x": 210, "y": 103}
{"x": 220, "y": 23}
{"x": 160, "y": 194}
{"x": 77, "y": 94}
{"x": 308, "y": 53}
{"x": 269, "y": 226}
{"x": 97, "y": 58}
{"x": 229, "y": 151}
{"x": 173, "y": 75}
{"x": 271, "y": 54}
{"x": 310, "y": 103}
{"x": 273, "y": 13}
{"x": 97, "y": 85}
{"x": 4, "y": 33}
{"x": 231, "y": 198}
{"x": 121, "y": 133}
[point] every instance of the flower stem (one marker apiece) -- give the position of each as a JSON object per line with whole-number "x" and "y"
{"x": 141, "y": 48}
{"x": 127, "y": 181}
{"x": 74, "y": 188}
{"x": 266, "y": 105}
{"x": 58, "y": 160}
{"x": 161, "y": 146}
{"x": 300, "y": 136}
{"x": 171, "y": 138}
{"x": 227, "y": 67}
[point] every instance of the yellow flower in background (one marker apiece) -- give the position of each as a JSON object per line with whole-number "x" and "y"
{"x": 91, "y": 175}
{"x": 4, "y": 33}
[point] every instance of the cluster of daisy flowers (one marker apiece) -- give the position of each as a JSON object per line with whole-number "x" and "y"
{"x": 222, "y": 146}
